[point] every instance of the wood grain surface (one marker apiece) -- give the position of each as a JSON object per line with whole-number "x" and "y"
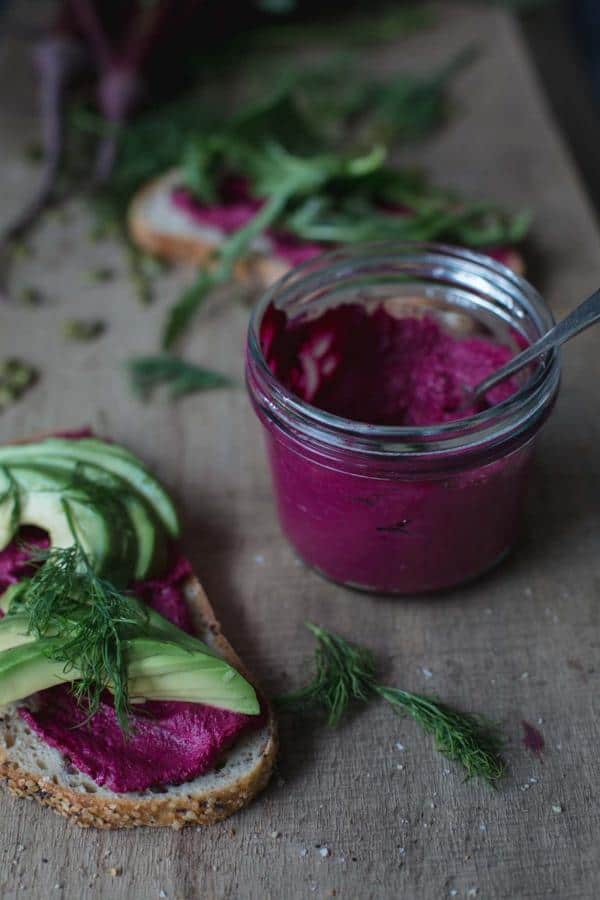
{"x": 523, "y": 643}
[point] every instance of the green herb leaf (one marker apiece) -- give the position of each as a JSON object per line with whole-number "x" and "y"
{"x": 184, "y": 310}
{"x": 148, "y": 373}
{"x": 345, "y": 674}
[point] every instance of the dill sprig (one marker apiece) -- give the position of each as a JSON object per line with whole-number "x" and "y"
{"x": 346, "y": 674}
{"x": 471, "y": 740}
{"x": 88, "y": 621}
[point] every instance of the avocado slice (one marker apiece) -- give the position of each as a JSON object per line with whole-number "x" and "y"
{"x": 47, "y": 499}
{"x": 151, "y": 549}
{"x": 111, "y": 457}
{"x": 164, "y": 671}
{"x": 160, "y": 671}
{"x": 12, "y": 594}
{"x": 24, "y": 670}
{"x": 13, "y": 631}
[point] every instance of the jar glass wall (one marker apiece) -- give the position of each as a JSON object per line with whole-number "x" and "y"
{"x": 403, "y": 509}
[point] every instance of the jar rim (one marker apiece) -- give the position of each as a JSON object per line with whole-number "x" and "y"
{"x": 510, "y": 416}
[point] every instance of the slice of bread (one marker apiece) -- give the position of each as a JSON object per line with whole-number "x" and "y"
{"x": 30, "y": 768}
{"x": 159, "y": 227}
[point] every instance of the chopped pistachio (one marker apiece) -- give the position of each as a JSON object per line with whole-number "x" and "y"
{"x": 31, "y": 295}
{"x": 8, "y": 395}
{"x": 100, "y": 275}
{"x": 83, "y": 329}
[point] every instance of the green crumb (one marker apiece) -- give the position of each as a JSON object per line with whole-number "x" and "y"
{"x": 83, "y": 329}
{"x": 100, "y": 275}
{"x": 15, "y": 377}
{"x": 30, "y": 295}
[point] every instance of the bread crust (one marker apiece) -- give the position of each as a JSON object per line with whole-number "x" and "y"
{"x": 122, "y": 811}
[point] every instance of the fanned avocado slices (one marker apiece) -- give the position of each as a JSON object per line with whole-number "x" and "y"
{"x": 95, "y": 492}
{"x": 110, "y": 457}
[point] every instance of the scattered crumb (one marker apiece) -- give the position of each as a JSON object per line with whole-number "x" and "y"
{"x": 452, "y": 892}
{"x": 115, "y": 871}
{"x": 275, "y": 834}
{"x": 557, "y": 807}
{"x": 325, "y": 852}
{"x": 482, "y": 826}
{"x": 400, "y": 766}
{"x": 472, "y": 892}
{"x": 427, "y": 673}
{"x": 162, "y": 894}
{"x": 445, "y": 771}
{"x": 540, "y": 721}
{"x": 399, "y": 746}
{"x": 304, "y": 852}
{"x": 524, "y": 676}
{"x": 402, "y": 851}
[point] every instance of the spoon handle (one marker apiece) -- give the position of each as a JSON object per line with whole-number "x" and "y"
{"x": 578, "y": 320}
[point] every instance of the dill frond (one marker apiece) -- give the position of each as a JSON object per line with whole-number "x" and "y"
{"x": 88, "y": 620}
{"x": 473, "y": 741}
{"x": 345, "y": 673}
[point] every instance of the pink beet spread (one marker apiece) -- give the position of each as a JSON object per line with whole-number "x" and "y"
{"x": 382, "y": 524}
{"x": 377, "y": 368}
{"x": 236, "y": 206}
{"x": 172, "y": 742}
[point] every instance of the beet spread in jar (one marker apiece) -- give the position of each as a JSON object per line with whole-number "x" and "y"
{"x": 356, "y": 366}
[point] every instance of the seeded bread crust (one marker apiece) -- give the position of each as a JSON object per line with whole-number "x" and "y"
{"x": 209, "y": 798}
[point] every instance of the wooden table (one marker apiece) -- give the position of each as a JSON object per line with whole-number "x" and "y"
{"x": 519, "y": 644}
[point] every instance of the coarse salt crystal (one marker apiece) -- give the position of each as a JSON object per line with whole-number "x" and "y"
{"x": 325, "y": 852}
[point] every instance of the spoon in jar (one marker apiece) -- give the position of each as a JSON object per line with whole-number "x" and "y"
{"x": 584, "y": 315}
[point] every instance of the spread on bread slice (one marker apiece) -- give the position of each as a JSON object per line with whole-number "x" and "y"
{"x": 122, "y": 703}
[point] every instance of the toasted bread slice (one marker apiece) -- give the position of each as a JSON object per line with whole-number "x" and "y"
{"x": 157, "y": 226}
{"x": 30, "y": 768}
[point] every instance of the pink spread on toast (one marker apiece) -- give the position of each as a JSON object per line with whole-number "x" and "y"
{"x": 236, "y": 206}
{"x": 171, "y": 742}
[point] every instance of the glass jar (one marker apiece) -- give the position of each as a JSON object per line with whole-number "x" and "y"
{"x": 404, "y": 509}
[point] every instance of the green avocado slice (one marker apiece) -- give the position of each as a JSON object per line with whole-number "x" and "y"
{"x": 149, "y": 532}
{"x": 159, "y": 671}
{"x": 47, "y": 499}
{"x": 110, "y": 457}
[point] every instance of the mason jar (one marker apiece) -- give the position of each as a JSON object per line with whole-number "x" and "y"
{"x": 404, "y": 509}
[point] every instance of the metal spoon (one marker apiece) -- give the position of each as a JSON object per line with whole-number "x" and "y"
{"x": 584, "y": 315}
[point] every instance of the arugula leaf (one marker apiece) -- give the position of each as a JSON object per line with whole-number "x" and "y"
{"x": 147, "y": 373}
